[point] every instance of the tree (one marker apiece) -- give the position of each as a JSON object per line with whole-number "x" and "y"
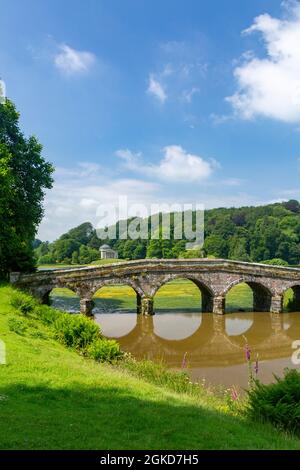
{"x": 292, "y": 206}
{"x": 82, "y": 233}
{"x": 215, "y": 245}
{"x": 6, "y": 196}
{"x": 154, "y": 249}
{"x": 75, "y": 258}
{"x": 87, "y": 255}
{"x": 27, "y": 176}
{"x": 64, "y": 247}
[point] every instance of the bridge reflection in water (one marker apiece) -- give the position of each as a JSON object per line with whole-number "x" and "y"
{"x": 214, "y": 344}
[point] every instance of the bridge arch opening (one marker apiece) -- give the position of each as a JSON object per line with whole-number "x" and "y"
{"x": 116, "y": 298}
{"x": 63, "y": 299}
{"x": 291, "y": 299}
{"x": 112, "y": 299}
{"x": 248, "y": 296}
{"x": 183, "y": 294}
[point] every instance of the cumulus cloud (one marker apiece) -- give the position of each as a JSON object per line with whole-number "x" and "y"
{"x": 78, "y": 192}
{"x": 179, "y": 165}
{"x": 156, "y": 89}
{"x": 176, "y": 165}
{"x": 270, "y": 86}
{"x": 74, "y": 200}
{"x": 71, "y": 62}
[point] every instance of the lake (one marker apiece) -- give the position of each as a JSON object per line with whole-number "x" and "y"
{"x": 213, "y": 346}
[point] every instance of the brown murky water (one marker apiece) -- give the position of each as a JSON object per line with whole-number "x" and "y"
{"x": 213, "y": 345}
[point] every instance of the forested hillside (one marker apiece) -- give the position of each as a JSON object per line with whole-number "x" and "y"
{"x": 266, "y": 233}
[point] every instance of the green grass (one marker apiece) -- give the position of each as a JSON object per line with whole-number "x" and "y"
{"x": 53, "y": 398}
{"x": 98, "y": 262}
{"x": 107, "y": 261}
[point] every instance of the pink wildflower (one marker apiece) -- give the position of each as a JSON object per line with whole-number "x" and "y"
{"x": 234, "y": 394}
{"x": 184, "y": 361}
{"x": 247, "y": 352}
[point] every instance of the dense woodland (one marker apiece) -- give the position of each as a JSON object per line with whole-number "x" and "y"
{"x": 268, "y": 233}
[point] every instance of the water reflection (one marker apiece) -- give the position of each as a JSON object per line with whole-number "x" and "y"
{"x": 238, "y": 324}
{"x": 214, "y": 344}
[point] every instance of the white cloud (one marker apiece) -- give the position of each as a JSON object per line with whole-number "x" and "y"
{"x": 131, "y": 160}
{"x": 187, "y": 95}
{"x": 75, "y": 198}
{"x": 70, "y": 61}
{"x": 156, "y": 89}
{"x": 179, "y": 71}
{"x": 270, "y": 86}
{"x": 176, "y": 165}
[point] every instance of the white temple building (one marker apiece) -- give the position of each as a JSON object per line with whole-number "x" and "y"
{"x": 106, "y": 252}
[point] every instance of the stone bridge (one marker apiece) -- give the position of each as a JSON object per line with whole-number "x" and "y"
{"x": 214, "y": 278}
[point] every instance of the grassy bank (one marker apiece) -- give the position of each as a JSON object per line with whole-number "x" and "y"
{"x": 98, "y": 262}
{"x": 53, "y": 398}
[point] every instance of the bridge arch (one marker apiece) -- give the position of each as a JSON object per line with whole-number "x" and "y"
{"x": 205, "y": 290}
{"x": 62, "y": 297}
{"x": 291, "y": 297}
{"x": 262, "y": 293}
{"x": 116, "y": 282}
{"x": 115, "y": 302}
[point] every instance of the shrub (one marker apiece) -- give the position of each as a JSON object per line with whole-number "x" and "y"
{"x": 17, "y": 326}
{"x": 104, "y": 350}
{"x": 75, "y": 331}
{"x": 39, "y": 335}
{"x": 22, "y": 302}
{"x": 158, "y": 374}
{"x": 277, "y": 402}
{"x": 275, "y": 262}
{"x": 48, "y": 315}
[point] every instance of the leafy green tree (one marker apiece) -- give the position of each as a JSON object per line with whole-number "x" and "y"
{"x": 47, "y": 259}
{"x": 75, "y": 257}
{"x": 154, "y": 249}
{"x": 129, "y": 249}
{"x": 82, "y": 234}
{"x": 64, "y": 247}
{"x": 28, "y": 177}
{"x": 215, "y": 245}
{"x": 87, "y": 255}
{"x": 292, "y": 206}
{"x": 8, "y": 238}
{"x": 238, "y": 248}
{"x": 140, "y": 251}
{"x": 248, "y": 234}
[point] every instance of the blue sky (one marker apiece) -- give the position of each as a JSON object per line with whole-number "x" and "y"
{"x": 162, "y": 101}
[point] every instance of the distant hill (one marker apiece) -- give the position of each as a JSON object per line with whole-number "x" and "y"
{"x": 269, "y": 233}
